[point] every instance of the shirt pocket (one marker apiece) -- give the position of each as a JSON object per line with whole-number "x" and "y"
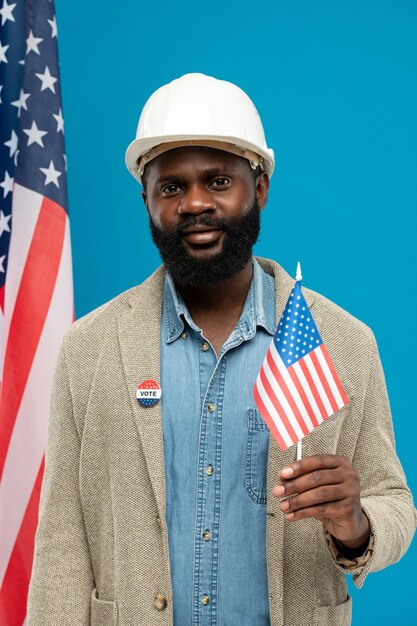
{"x": 256, "y": 457}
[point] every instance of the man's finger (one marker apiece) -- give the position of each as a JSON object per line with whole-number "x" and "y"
{"x": 312, "y": 463}
{"x": 314, "y": 498}
{"x": 326, "y": 510}
{"x": 309, "y": 481}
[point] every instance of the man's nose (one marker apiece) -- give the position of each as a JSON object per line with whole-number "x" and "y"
{"x": 196, "y": 200}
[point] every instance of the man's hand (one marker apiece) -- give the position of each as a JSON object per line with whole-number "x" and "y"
{"x": 328, "y": 489}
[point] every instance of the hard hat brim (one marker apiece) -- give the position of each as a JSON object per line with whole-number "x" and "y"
{"x": 138, "y": 147}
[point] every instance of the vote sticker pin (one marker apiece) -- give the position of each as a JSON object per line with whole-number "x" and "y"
{"x": 148, "y": 393}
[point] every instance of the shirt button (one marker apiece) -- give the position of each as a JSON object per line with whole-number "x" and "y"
{"x": 205, "y": 599}
{"x": 205, "y": 346}
{"x": 206, "y": 535}
{"x": 160, "y": 601}
{"x": 184, "y": 335}
{"x": 209, "y": 470}
{"x": 211, "y": 407}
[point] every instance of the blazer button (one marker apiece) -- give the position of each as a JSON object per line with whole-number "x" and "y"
{"x": 160, "y": 601}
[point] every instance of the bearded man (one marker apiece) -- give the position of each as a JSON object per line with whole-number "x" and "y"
{"x": 165, "y": 499}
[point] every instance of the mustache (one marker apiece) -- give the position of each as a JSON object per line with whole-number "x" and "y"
{"x": 202, "y": 220}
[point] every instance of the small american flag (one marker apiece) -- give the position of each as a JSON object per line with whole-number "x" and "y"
{"x": 297, "y": 387}
{"x": 36, "y": 296}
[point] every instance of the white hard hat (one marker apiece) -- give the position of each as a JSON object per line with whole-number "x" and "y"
{"x": 199, "y": 110}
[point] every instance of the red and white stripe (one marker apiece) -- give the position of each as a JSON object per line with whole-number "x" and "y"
{"x": 294, "y": 400}
{"x": 38, "y": 309}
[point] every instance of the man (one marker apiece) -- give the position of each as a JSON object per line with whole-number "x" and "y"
{"x": 165, "y": 499}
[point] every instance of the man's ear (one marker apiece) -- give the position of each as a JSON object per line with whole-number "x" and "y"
{"x": 262, "y": 188}
{"x": 145, "y": 200}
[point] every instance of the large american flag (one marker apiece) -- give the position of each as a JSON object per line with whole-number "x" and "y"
{"x": 297, "y": 386}
{"x": 36, "y": 296}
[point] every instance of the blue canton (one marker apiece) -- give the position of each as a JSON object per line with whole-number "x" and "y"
{"x": 216, "y": 450}
{"x": 32, "y": 124}
{"x": 297, "y": 333}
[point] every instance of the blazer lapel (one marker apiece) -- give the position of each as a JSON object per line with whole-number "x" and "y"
{"x": 139, "y": 337}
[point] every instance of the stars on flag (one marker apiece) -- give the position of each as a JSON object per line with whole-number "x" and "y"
{"x": 7, "y": 184}
{"x": 52, "y": 24}
{"x": 59, "y": 121}
{"x": 4, "y": 223}
{"x": 12, "y": 143}
{"x": 3, "y": 50}
{"x": 299, "y": 328}
{"x": 21, "y": 103}
{"x": 35, "y": 135}
{"x": 32, "y": 43}
{"x": 48, "y": 81}
{"x": 6, "y": 12}
{"x": 32, "y": 129}
{"x": 51, "y": 174}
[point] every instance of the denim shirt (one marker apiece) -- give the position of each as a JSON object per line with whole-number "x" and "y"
{"x": 216, "y": 449}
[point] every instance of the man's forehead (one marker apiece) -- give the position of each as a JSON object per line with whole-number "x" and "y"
{"x": 195, "y": 157}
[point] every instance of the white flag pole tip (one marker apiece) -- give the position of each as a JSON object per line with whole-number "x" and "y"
{"x": 298, "y": 275}
{"x": 299, "y": 452}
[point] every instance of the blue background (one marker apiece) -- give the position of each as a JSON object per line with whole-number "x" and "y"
{"x": 336, "y": 86}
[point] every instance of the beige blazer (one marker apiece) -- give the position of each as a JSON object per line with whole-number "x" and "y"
{"x": 101, "y": 554}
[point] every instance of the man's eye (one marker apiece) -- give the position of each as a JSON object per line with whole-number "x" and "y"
{"x": 170, "y": 188}
{"x": 221, "y": 182}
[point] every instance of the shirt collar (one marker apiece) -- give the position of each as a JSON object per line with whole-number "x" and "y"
{"x": 259, "y": 308}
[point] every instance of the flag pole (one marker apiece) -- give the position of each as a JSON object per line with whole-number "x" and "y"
{"x": 298, "y": 277}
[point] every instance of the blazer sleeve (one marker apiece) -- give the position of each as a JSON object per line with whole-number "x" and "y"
{"x": 385, "y": 496}
{"x": 62, "y": 578}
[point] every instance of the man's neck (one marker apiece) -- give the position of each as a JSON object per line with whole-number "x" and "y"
{"x": 216, "y": 307}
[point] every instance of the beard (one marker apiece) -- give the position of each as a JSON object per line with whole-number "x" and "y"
{"x": 240, "y": 235}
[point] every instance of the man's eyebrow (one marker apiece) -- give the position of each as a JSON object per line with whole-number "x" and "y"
{"x": 206, "y": 174}
{"x": 215, "y": 171}
{"x": 174, "y": 178}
